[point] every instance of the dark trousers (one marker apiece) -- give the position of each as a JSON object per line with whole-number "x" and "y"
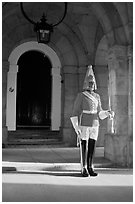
{"x": 87, "y": 152}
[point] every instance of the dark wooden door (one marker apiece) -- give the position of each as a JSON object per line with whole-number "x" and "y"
{"x": 34, "y": 90}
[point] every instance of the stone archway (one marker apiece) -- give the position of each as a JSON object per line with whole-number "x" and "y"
{"x": 12, "y": 83}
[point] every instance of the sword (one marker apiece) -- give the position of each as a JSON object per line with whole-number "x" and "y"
{"x": 110, "y": 117}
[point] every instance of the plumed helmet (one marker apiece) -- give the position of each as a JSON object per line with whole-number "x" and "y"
{"x": 89, "y": 77}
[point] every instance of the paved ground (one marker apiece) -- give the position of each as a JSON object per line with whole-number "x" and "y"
{"x": 51, "y": 174}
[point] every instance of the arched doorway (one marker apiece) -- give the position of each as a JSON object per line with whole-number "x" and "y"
{"x": 12, "y": 83}
{"x": 34, "y": 85}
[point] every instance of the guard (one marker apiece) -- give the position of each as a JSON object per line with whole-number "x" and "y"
{"x": 85, "y": 119}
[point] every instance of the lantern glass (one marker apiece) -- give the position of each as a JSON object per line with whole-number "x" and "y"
{"x": 43, "y": 36}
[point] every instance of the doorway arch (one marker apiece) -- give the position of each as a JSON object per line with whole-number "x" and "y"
{"x": 12, "y": 83}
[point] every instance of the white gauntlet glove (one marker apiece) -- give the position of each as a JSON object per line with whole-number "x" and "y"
{"x": 106, "y": 113}
{"x": 74, "y": 121}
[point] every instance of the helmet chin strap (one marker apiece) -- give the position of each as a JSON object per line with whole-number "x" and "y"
{"x": 90, "y": 90}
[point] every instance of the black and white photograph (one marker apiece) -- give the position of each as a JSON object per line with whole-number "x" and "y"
{"x": 67, "y": 101}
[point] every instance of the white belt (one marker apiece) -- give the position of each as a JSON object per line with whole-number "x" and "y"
{"x": 89, "y": 112}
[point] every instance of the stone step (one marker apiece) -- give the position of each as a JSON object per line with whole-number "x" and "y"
{"x": 33, "y": 137}
{"x": 34, "y": 141}
{"x": 33, "y": 134}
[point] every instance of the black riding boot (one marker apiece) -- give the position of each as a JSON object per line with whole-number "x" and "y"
{"x": 84, "y": 156}
{"x": 90, "y": 155}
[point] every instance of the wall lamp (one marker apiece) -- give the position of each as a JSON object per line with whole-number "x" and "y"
{"x": 42, "y": 28}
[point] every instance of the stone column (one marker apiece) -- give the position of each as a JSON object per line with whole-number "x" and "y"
{"x": 11, "y": 97}
{"x": 70, "y": 90}
{"x": 116, "y": 144}
{"x": 130, "y": 91}
{"x": 5, "y": 67}
{"x": 56, "y": 99}
{"x": 130, "y": 107}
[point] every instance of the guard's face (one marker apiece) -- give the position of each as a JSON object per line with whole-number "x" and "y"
{"x": 91, "y": 85}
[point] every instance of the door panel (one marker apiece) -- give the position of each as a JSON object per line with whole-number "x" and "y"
{"x": 34, "y": 90}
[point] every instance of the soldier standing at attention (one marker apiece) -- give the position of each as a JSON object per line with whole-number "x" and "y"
{"x": 85, "y": 119}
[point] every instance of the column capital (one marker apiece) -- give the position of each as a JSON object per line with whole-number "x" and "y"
{"x": 73, "y": 69}
{"x": 117, "y": 52}
{"x": 13, "y": 68}
{"x": 82, "y": 69}
{"x": 70, "y": 69}
{"x": 56, "y": 71}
